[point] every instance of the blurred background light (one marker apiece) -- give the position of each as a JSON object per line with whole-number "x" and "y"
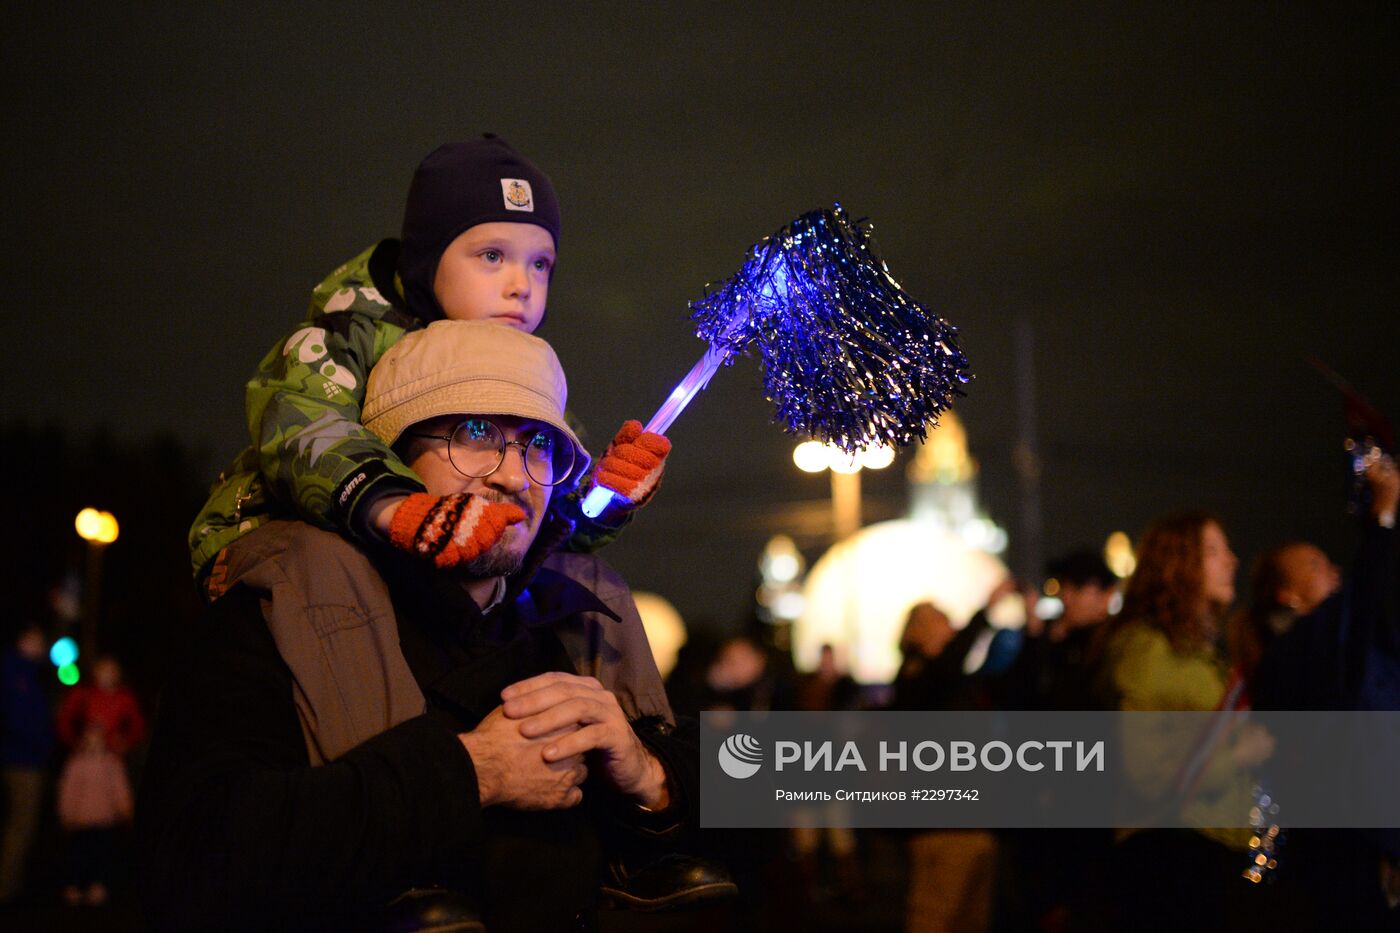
{"x": 1118, "y": 554}
{"x": 64, "y": 652}
{"x": 96, "y": 527}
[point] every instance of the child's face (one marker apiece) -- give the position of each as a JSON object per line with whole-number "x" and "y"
{"x": 497, "y": 271}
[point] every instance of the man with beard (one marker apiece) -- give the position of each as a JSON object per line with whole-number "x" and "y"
{"x": 351, "y": 724}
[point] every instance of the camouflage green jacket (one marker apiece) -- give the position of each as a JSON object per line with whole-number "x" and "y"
{"x": 310, "y": 457}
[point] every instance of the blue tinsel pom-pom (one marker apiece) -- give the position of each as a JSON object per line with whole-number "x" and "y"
{"x": 849, "y": 357}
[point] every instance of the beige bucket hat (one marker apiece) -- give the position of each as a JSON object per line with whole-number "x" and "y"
{"x": 467, "y": 368}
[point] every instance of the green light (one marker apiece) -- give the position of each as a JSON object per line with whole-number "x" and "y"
{"x": 68, "y": 674}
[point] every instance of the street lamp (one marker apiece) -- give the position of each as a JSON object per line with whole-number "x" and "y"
{"x": 98, "y": 529}
{"x": 814, "y": 456}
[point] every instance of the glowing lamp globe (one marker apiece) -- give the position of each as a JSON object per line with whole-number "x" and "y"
{"x": 96, "y": 527}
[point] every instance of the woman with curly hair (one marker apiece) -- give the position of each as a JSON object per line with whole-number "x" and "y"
{"x": 1163, "y": 655}
{"x": 1162, "y": 652}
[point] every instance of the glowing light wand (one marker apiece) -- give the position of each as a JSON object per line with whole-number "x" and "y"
{"x": 849, "y": 357}
{"x": 699, "y": 376}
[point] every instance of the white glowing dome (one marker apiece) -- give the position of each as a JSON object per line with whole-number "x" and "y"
{"x": 858, "y": 594}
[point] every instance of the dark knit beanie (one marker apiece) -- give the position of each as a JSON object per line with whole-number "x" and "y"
{"x": 458, "y": 186}
{"x": 1081, "y": 568}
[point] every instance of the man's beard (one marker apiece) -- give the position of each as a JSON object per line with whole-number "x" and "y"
{"x": 496, "y": 562}
{"x": 499, "y": 560}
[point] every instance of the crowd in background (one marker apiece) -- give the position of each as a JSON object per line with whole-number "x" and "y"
{"x": 1307, "y": 636}
{"x": 89, "y": 734}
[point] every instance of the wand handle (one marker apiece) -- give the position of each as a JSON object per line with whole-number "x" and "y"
{"x": 698, "y": 377}
{"x": 694, "y": 381}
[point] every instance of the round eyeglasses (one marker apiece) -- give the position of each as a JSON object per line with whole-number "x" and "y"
{"x": 477, "y": 448}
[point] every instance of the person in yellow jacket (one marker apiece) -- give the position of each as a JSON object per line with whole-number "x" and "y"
{"x": 1162, "y": 655}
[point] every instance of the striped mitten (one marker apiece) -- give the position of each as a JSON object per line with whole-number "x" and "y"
{"x": 450, "y": 530}
{"x": 633, "y": 464}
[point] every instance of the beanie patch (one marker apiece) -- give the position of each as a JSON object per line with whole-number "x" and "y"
{"x": 517, "y": 195}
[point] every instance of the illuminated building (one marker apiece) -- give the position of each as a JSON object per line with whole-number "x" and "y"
{"x": 858, "y": 594}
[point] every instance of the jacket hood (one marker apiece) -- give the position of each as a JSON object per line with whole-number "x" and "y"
{"x": 366, "y": 284}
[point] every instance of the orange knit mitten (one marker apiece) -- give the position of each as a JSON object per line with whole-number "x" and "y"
{"x": 451, "y": 530}
{"x": 633, "y": 464}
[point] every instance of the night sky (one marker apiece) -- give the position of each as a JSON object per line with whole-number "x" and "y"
{"x": 1183, "y": 201}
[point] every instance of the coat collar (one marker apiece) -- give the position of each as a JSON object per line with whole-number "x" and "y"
{"x": 551, "y": 597}
{"x": 438, "y": 619}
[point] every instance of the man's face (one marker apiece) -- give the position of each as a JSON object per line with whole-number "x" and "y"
{"x": 928, "y": 630}
{"x": 31, "y": 644}
{"x": 739, "y": 664}
{"x": 107, "y": 673}
{"x": 1085, "y": 603}
{"x": 1309, "y": 578}
{"x": 510, "y": 483}
{"x": 496, "y": 271}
